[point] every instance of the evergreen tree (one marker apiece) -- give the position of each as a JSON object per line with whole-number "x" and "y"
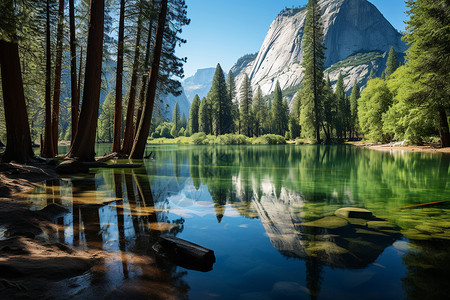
{"x": 231, "y": 91}
{"x": 329, "y": 111}
{"x": 245, "y": 107}
{"x": 193, "y": 115}
{"x": 428, "y": 55}
{"x": 204, "y": 117}
{"x": 340, "y": 102}
{"x": 391, "y": 63}
{"x": 221, "y": 104}
{"x": 372, "y": 74}
{"x": 277, "y": 111}
{"x": 259, "y": 112}
{"x": 183, "y": 121}
{"x": 313, "y": 68}
{"x": 176, "y": 117}
{"x": 354, "y": 109}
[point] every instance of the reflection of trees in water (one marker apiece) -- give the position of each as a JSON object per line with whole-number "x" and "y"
{"x": 427, "y": 265}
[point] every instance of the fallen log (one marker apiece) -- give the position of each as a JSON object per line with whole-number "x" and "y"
{"x": 429, "y": 204}
{"x": 185, "y": 254}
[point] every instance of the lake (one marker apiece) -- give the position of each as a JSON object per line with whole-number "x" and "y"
{"x": 268, "y": 214}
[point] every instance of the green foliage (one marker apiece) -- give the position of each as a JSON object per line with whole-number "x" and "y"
{"x": 106, "y": 119}
{"x": 375, "y": 100}
{"x": 278, "y": 111}
{"x": 176, "y": 118}
{"x": 193, "y": 115}
{"x": 204, "y": 117}
{"x": 392, "y": 62}
{"x": 259, "y": 112}
{"x": 163, "y": 130}
{"x": 221, "y": 104}
{"x": 405, "y": 120}
{"x": 233, "y": 139}
{"x": 355, "y": 95}
{"x": 245, "y": 115}
{"x": 313, "y": 82}
{"x": 269, "y": 139}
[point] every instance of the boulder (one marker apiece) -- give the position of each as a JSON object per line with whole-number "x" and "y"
{"x": 354, "y": 212}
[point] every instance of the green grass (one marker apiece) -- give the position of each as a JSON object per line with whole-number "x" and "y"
{"x": 227, "y": 139}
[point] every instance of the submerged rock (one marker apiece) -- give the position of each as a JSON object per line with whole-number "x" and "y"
{"x": 354, "y": 212}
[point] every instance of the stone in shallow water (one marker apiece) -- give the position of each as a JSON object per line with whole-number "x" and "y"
{"x": 354, "y": 212}
{"x": 330, "y": 222}
{"x": 381, "y": 225}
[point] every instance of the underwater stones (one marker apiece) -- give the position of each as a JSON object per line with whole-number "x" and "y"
{"x": 353, "y": 212}
{"x": 381, "y": 225}
{"x": 330, "y": 222}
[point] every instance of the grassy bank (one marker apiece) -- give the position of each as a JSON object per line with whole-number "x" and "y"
{"x": 227, "y": 139}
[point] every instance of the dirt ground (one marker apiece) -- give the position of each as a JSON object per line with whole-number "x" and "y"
{"x": 427, "y": 149}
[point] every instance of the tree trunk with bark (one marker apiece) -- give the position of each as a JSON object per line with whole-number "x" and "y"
{"x": 129, "y": 123}
{"x": 57, "y": 86}
{"x": 47, "y": 147}
{"x": 73, "y": 71}
{"x": 444, "y": 128}
{"x": 119, "y": 72}
{"x": 18, "y": 137}
{"x": 140, "y": 141}
{"x": 148, "y": 50}
{"x": 83, "y": 146}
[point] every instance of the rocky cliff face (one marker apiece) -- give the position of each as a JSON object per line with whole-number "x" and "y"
{"x": 199, "y": 84}
{"x": 350, "y": 27}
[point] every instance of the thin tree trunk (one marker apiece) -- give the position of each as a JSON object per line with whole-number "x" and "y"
{"x": 79, "y": 83}
{"x": 73, "y": 71}
{"x": 140, "y": 141}
{"x": 128, "y": 136}
{"x": 144, "y": 77}
{"x": 47, "y": 148}
{"x": 119, "y": 72}
{"x": 18, "y": 138}
{"x": 57, "y": 86}
{"x": 83, "y": 146}
{"x": 444, "y": 128}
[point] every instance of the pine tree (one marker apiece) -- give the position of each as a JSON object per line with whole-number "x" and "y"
{"x": 193, "y": 115}
{"x": 259, "y": 112}
{"x": 277, "y": 111}
{"x": 176, "y": 117}
{"x": 221, "y": 104}
{"x": 341, "y": 111}
{"x": 372, "y": 74}
{"x": 354, "y": 109}
{"x": 231, "y": 90}
{"x": 204, "y": 117}
{"x": 329, "y": 110}
{"x": 313, "y": 68}
{"x": 428, "y": 56}
{"x": 245, "y": 107}
{"x": 392, "y": 62}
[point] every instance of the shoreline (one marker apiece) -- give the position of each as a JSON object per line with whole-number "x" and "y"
{"x": 420, "y": 149}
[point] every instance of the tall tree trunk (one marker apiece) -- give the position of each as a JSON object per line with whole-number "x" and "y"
{"x": 57, "y": 86}
{"x": 73, "y": 71}
{"x": 47, "y": 148}
{"x": 444, "y": 128}
{"x": 83, "y": 146}
{"x": 128, "y": 136}
{"x": 18, "y": 137}
{"x": 80, "y": 69}
{"x": 140, "y": 141}
{"x": 119, "y": 72}
{"x": 148, "y": 50}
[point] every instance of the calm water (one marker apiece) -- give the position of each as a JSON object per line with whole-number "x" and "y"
{"x": 261, "y": 209}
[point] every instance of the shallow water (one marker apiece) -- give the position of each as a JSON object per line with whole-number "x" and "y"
{"x": 259, "y": 209}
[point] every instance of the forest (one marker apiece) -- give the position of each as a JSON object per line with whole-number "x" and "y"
{"x": 58, "y": 59}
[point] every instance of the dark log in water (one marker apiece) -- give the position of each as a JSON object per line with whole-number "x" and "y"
{"x": 185, "y": 254}
{"x": 429, "y": 204}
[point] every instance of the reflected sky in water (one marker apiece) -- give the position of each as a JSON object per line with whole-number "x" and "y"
{"x": 267, "y": 212}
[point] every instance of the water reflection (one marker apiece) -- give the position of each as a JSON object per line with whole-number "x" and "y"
{"x": 292, "y": 191}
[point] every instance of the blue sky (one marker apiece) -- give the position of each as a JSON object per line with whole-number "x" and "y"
{"x": 222, "y": 31}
